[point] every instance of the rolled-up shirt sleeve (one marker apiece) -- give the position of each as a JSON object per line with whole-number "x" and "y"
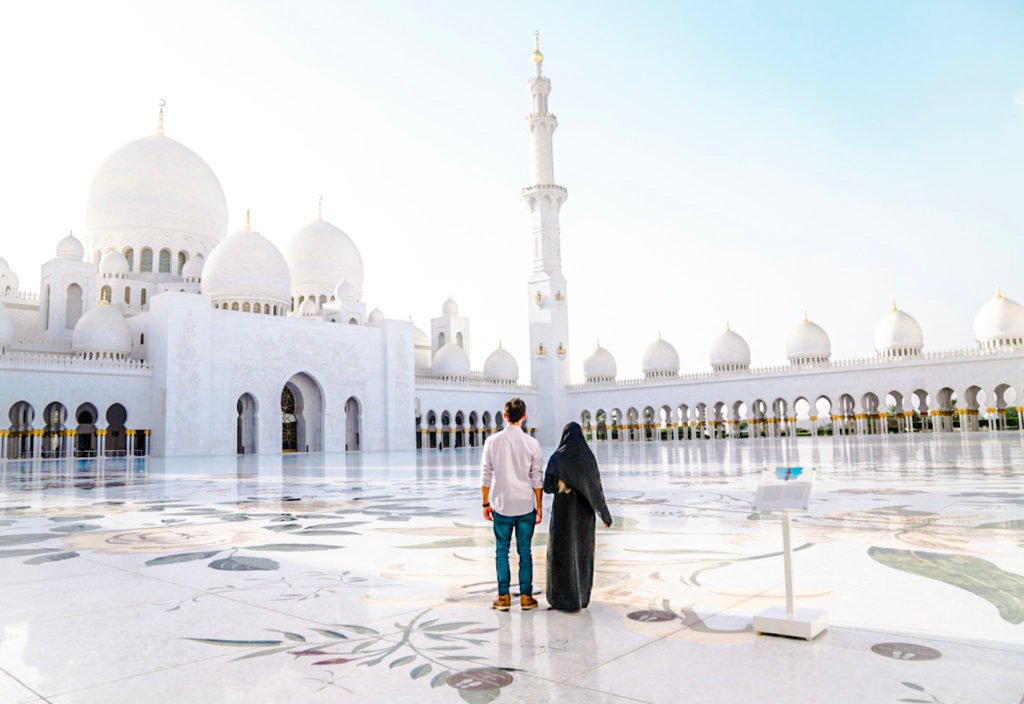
{"x": 486, "y": 468}
{"x": 536, "y": 466}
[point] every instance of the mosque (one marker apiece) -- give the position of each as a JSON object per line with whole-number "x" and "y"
{"x": 159, "y": 333}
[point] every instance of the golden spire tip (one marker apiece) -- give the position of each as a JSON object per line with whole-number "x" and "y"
{"x": 248, "y": 221}
{"x": 538, "y": 58}
{"x": 806, "y": 319}
{"x": 727, "y": 328}
{"x": 894, "y": 306}
{"x": 320, "y": 208}
{"x": 160, "y": 119}
{"x": 999, "y": 291}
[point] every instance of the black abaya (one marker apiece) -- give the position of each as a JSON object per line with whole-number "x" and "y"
{"x": 571, "y": 531}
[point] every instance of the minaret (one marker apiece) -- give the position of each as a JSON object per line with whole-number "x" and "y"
{"x": 549, "y": 317}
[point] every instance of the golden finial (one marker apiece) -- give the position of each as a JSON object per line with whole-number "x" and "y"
{"x": 538, "y": 58}
{"x": 727, "y": 328}
{"x": 894, "y": 306}
{"x": 999, "y": 292}
{"x": 160, "y": 120}
{"x": 598, "y": 343}
{"x": 248, "y": 221}
{"x": 320, "y": 208}
{"x": 499, "y": 343}
{"x": 806, "y": 319}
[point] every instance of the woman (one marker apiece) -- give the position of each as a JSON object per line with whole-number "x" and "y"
{"x": 573, "y": 478}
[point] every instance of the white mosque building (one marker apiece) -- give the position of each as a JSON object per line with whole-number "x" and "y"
{"x": 161, "y": 334}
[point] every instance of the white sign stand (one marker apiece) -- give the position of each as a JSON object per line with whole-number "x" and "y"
{"x": 786, "y": 489}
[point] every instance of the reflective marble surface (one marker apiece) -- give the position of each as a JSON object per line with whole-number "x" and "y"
{"x": 368, "y": 578}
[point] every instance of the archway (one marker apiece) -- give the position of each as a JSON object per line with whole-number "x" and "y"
{"x": 53, "y": 432}
{"x": 19, "y": 443}
{"x": 353, "y": 429}
{"x": 85, "y": 431}
{"x": 116, "y": 443}
{"x": 246, "y": 425}
{"x": 302, "y": 413}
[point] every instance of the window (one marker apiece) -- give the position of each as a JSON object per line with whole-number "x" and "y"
{"x": 245, "y": 307}
{"x": 105, "y": 294}
{"x": 182, "y": 258}
{"x": 323, "y": 299}
{"x": 142, "y": 338}
{"x": 142, "y": 298}
{"x": 129, "y": 254}
{"x": 127, "y": 296}
{"x": 72, "y": 306}
{"x": 46, "y": 307}
{"x": 165, "y": 261}
{"x": 234, "y": 306}
{"x": 146, "y": 261}
{"x": 441, "y": 340}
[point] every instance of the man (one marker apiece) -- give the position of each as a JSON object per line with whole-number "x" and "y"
{"x": 512, "y": 482}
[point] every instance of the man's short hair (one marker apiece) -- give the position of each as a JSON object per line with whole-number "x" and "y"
{"x": 515, "y": 409}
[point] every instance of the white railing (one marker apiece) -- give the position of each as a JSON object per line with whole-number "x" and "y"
{"x": 21, "y": 296}
{"x": 857, "y": 362}
{"x": 29, "y": 360}
{"x": 474, "y": 380}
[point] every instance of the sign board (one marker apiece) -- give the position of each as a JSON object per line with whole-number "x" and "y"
{"x": 784, "y": 488}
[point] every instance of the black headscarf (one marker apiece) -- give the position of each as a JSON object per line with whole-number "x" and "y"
{"x": 574, "y": 463}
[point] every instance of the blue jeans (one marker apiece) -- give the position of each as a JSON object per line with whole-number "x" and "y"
{"x": 503, "y": 526}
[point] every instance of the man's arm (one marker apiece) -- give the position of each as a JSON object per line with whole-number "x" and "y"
{"x": 537, "y": 477}
{"x": 487, "y": 475}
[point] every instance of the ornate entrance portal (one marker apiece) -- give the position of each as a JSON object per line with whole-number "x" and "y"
{"x": 289, "y": 423}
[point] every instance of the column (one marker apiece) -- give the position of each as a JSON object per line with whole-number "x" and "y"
{"x": 101, "y": 435}
{"x": 131, "y": 442}
{"x": 37, "y": 444}
{"x": 3, "y": 445}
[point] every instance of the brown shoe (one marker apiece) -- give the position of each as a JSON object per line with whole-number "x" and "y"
{"x": 503, "y": 602}
{"x": 527, "y": 602}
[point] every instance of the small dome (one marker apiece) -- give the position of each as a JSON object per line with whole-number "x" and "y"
{"x": 193, "y": 269}
{"x": 600, "y": 365}
{"x": 319, "y": 256}
{"x": 346, "y": 292}
{"x": 729, "y": 352}
{"x": 102, "y": 331}
{"x": 70, "y": 248}
{"x": 246, "y": 266}
{"x": 450, "y": 307}
{"x": 114, "y": 264}
{"x": 6, "y": 326}
{"x": 155, "y": 189}
{"x": 808, "y": 343}
{"x": 898, "y": 334}
{"x": 308, "y": 308}
{"x": 376, "y": 316}
{"x": 999, "y": 323}
{"x": 451, "y": 361}
{"x": 500, "y": 365}
{"x": 660, "y": 359}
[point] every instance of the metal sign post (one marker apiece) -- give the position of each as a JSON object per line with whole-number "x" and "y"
{"x": 786, "y": 489}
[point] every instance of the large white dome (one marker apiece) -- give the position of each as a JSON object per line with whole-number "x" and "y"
{"x": 247, "y": 267}
{"x": 660, "y": 359}
{"x": 1000, "y": 323}
{"x": 500, "y": 365}
{"x": 729, "y": 352}
{"x": 451, "y": 361}
{"x": 321, "y": 256}
{"x": 808, "y": 343}
{"x": 898, "y": 334}
{"x": 6, "y": 326}
{"x": 155, "y": 192}
{"x": 600, "y": 366}
{"x": 102, "y": 332}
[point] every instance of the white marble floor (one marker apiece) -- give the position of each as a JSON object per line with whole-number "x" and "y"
{"x": 368, "y": 578}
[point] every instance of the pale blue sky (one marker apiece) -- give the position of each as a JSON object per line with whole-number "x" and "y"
{"x": 727, "y": 160}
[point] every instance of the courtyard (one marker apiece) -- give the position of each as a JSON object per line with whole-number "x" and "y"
{"x": 368, "y": 577}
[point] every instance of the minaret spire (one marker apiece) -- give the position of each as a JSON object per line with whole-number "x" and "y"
{"x": 546, "y": 289}
{"x": 320, "y": 208}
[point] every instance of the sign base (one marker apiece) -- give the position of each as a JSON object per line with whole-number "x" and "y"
{"x": 804, "y": 623}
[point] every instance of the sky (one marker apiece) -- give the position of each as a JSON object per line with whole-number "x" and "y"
{"x": 729, "y": 161}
